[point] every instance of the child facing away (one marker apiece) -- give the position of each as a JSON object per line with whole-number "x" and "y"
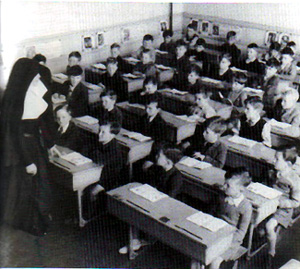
{"x": 168, "y": 180}
{"x": 252, "y": 125}
{"x": 287, "y": 181}
{"x": 146, "y": 66}
{"x": 231, "y": 48}
{"x": 287, "y": 70}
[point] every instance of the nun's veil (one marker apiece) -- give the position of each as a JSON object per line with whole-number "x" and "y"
{"x": 22, "y": 74}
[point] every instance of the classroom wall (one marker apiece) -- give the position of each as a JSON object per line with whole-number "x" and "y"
{"x": 57, "y": 28}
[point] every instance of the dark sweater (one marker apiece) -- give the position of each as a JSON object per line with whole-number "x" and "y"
{"x": 252, "y": 132}
{"x": 103, "y": 115}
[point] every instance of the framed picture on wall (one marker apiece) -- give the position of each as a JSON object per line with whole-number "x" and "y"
{"x": 283, "y": 39}
{"x": 125, "y": 35}
{"x": 87, "y": 42}
{"x": 215, "y": 30}
{"x": 205, "y": 27}
{"x": 163, "y": 26}
{"x": 100, "y": 41}
{"x": 270, "y": 37}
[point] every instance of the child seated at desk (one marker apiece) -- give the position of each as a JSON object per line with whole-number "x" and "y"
{"x": 113, "y": 80}
{"x": 123, "y": 66}
{"x": 168, "y": 45}
{"x": 106, "y": 110}
{"x": 146, "y": 66}
{"x": 191, "y": 36}
{"x": 168, "y": 180}
{"x": 68, "y": 133}
{"x": 236, "y": 210}
{"x": 252, "y": 125}
{"x": 252, "y": 64}
{"x": 150, "y": 86}
{"x": 223, "y": 71}
{"x": 73, "y": 59}
{"x": 213, "y": 151}
{"x": 148, "y": 44}
{"x": 199, "y": 55}
{"x": 231, "y": 48}
{"x": 287, "y": 181}
{"x": 237, "y": 96}
{"x": 202, "y": 100}
{"x": 287, "y": 70}
{"x": 194, "y": 79}
{"x": 292, "y": 45}
{"x": 274, "y": 52}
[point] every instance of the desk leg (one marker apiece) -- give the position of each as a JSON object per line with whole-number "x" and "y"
{"x": 132, "y": 253}
{"x": 251, "y": 230}
{"x": 130, "y": 171}
{"x": 82, "y": 222}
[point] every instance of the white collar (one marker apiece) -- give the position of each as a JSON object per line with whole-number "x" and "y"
{"x": 64, "y": 128}
{"x": 235, "y": 201}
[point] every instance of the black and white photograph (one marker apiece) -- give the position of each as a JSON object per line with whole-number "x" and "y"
{"x": 149, "y": 135}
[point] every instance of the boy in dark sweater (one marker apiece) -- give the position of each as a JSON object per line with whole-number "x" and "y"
{"x": 123, "y": 66}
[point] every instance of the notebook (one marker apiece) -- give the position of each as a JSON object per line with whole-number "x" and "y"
{"x": 191, "y": 162}
{"x": 88, "y": 120}
{"x": 99, "y": 66}
{"x": 132, "y": 59}
{"x": 264, "y": 191}
{"x": 149, "y": 193}
{"x": 137, "y": 136}
{"x": 207, "y": 221}
{"x": 76, "y": 159}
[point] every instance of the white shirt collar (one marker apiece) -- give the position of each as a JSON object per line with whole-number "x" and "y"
{"x": 235, "y": 201}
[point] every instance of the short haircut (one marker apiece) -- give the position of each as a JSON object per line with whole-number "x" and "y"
{"x": 227, "y": 56}
{"x": 75, "y": 54}
{"x": 148, "y": 37}
{"x": 181, "y": 43}
{"x": 150, "y": 80}
{"x": 252, "y": 46}
{"x": 110, "y": 93}
{"x": 167, "y": 33}
{"x": 288, "y": 50}
{"x": 242, "y": 173}
{"x": 153, "y": 98}
{"x": 39, "y": 58}
{"x": 255, "y": 101}
{"x": 192, "y": 26}
{"x": 230, "y": 34}
{"x": 240, "y": 77}
{"x": 75, "y": 70}
{"x": 289, "y": 153}
{"x": 115, "y": 45}
{"x": 291, "y": 44}
{"x": 111, "y": 60}
{"x": 195, "y": 68}
{"x": 273, "y": 63}
{"x": 217, "y": 125}
{"x": 64, "y": 107}
{"x": 114, "y": 127}
{"x": 173, "y": 154}
{"x": 201, "y": 42}
{"x": 275, "y": 46}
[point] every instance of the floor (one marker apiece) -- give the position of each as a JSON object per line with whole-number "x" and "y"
{"x": 97, "y": 244}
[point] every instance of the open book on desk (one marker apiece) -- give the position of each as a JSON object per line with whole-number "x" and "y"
{"x": 132, "y": 60}
{"x": 149, "y": 193}
{"x": 207, "y": 221}
{"x": 191, "y": 162}
{"x": 137, "y": 136}
{"x": 174, "y": 91}
{"x": 87, "y": 120}
{"x": 133, "y": 76}
{"x": 99, "y": 66}
{"x": 264, "y": 191}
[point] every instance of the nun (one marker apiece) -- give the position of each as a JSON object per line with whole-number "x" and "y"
{"x": 27, "y": 131}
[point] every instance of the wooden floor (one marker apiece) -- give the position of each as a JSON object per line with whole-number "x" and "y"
{"x": 97, "y": 244}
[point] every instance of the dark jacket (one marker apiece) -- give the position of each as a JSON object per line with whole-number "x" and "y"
{"x": 103, "y": 115}
{"x": 215, "y": 154}
{"x": 252, "y": 132}
{"x": 233, "y": 51}
{"x": 227, "y": 76}
{"x": 124, "y": 66}
{"x": 147, "y": 69}
{"x": 155, "y": 129}
{"x": 179, "y": 80}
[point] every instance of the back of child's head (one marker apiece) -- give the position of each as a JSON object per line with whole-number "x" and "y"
{"x": 167, "y": 33}
{"x": 252, "y": 46}
{"x": 288, "y": 51}
{"x": 289, "y": 153}
{"x": 194, "y": 68}
{"x": 230, "y": 34}
{"x": 291, "y": 44}
{"x": 272, "y": 62}
{"x": 75, "y": 54}
{"x": 150, "y": 80}
{"x": 109, "y": 93}
{"x": 241, "y": 174}
{"x": 217, "y": 125}
{"x": 111, "y": 60}
{"x": 201, "y": 42}
{"x": 240, "y": 78}
{"x": 75, "y": 70}
{"x": 256, "y": 102}
{"x": 115, "y": 45}
{"x": 40, "y": 58}
{"x": 148, "y": 37}
{"x": 173, "y": 154}
{"x": 275, "y": 46}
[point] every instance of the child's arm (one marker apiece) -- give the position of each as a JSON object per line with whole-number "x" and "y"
{"x": 294, "y": 200}
{"x": 266, "y": 134}
{"x": 220, "y": 158}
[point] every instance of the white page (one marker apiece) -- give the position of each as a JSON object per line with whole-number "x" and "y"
{"x": 191, "y": 162}
{"x": 210, "y": 80}
{"x": 137, "y": 136}
{"x": 207, "y": 221}
{"x": 61, "y": 76}
{"x": 88, "y": 120}
{"x": 149, "y": 193}
{"x": 99, "y": 66}
{"x": 76, "y": 159}
{"x": 263, "y": 190}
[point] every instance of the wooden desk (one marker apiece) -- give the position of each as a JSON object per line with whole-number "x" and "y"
{"x": 178, "y": 129}
{"x": 81, "y": 177}
{"x": 94, "y": 91}
{"x": 291, "y": 264}
{"x": 60, "y": 78}
{"x": 179, "y": 233}
{"x": 93, "y": 74}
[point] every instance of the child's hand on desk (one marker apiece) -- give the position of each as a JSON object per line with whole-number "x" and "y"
{"x": 31, "y": 169}
{"x": 198, "y": 155}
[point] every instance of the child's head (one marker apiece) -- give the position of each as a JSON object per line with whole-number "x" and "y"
{"x": 290, "y": 97}
{"x": 41, "y": 59}
{"x": 292, "y": 45}
{"x": 75, "y": 74}
{"x": 202, "y": 97}
{"x": 191, "y": 30}
{"x": 200, "y": 45}
{"x": 274, "y": 49}
{"x": 63, "y": 115}
{"x": 252, "y": 51}
{"x": 111, "y": 65}
{"x": 272, "y": 66}
{"x": 74, "y": 58}
{"x": 152, "y": 106}
{"x": 108, "y": 131}
{"x": 194, "y": 73}
{"x": 225, "y": 61}
{"x": 215, "y": 127}
{"x": 285, "y": 157}
{"x": 150, "y": 84}
{"x": 236, "y": 180}
{"x": 287, "y": 56}
{"x": 148, "y": 41}
{"x": 147, "y": 56}
{"x": 239, "y": 81}
{"x": 231, "y": 37}
{"x": 181, "y": 48}
{"x": 108, "y": 99}
{"x": 168, "y": 157}
{"x": 253, "y": 108}
{"x": 167, "y": 35}
{"x": 115, "y": 50}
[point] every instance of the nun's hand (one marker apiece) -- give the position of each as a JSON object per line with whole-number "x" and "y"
{"x": 31, "y": 169}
